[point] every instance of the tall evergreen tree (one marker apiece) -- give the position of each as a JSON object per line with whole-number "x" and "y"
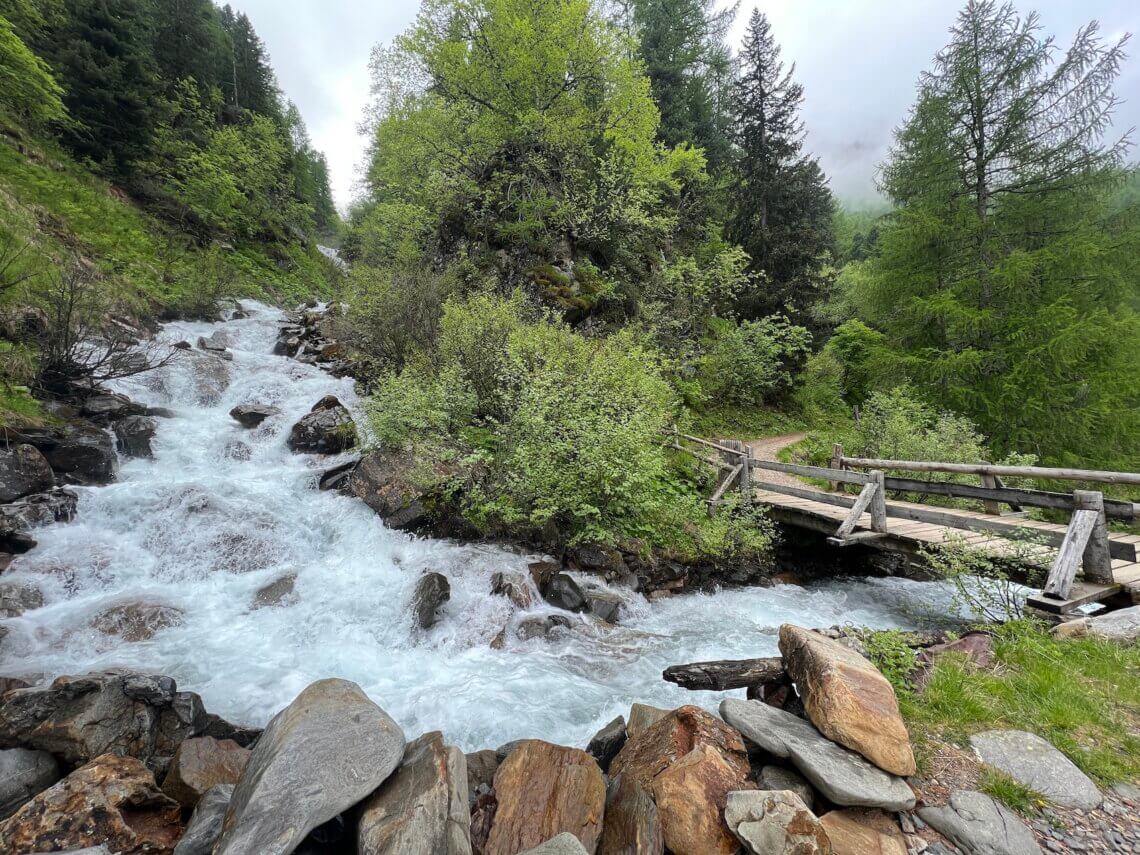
{"x": 189, "y": 41}
{"x": 781, "y": 206}
{"x": 250, "y": 83}
{"x": 1004, "y": 281}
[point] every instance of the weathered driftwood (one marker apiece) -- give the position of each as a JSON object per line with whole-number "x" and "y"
{"x": 725, "y": 674}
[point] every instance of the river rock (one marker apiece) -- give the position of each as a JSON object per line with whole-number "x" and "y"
{"x": 432, "y": 591}
{"x": 642, "y": 717}
{"x": 79, "y": 718}
{"x": 779, "y": 778}
{"x": 78, "y": 453}
{"x": 19, "y": 597}
{"x": 216, "y": 342}
{"x": 326, "y": 751}
{"x": 112, "y": 800}
{"x": 850, "y": 835}
{"x": 562, "y": 844}
{"x": 607, "y": 742}
{"x": 544, "y": 790}
{"x": 632, "y": 826}
{"x": 481, "y": 768}
{"x": 337, "y": 477}
{"x": 690, "y": 795}
{"x": 200, "y": 764}
{"x": 542, "y": 572}
{"x": 24, "y": 774}
{"x": 279, "y": 592}
{"x": 137, "y": 621}
{"x": 981, "y": 826}
{"x": 648, "y": 753}
{"x": 775, "y": 822}
{"x": 251, "y": 415}
{"x": 842, "y": 776}
{"x": 422, "y": 809}
{"x": 133, "y": 435}
{"x": 205, "y": 825}
{"x": 327, "y": 429}
{"x": 107, "y": 407}
{"x": 512, "y": 586}
{"x": 563, "y": 592}
{"x": 385, "y": 482}
{"x": 1121, "y": 625}
{"x": 541, "y": 627}
{"x": 847, "y": 698}
{"x": 23, "y": 470}
{"x": 1030, "y": 760}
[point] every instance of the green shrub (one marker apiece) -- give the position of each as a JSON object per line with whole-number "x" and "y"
{"x": 859, "y": 351}
{"x": 755, "y": 362}
{"x": 983, "y": 587}
{"x": 410, "y": 406}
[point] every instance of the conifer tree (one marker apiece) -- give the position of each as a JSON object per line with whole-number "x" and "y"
{"x": 781, "y": 206}
{"x": 250, "y": 83}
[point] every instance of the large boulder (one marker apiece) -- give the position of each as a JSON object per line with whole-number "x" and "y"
{"x": 422, "y": 809}
{"x": 563, "y": 592}
{"x": 847, "y": 698}
{"x": 202, "y": 763}
{"x": 327, "y": 429}
{"x": 842, "y": 776}
{"x": 775, "y": 822}
{"x": 632, "y": 826}
{"x": 112, "y": 800}
{"x": 252, "y": 415}
{"x": 79, "y": 718}
{"x": 133, "y": 435}
{"x": 23, "y": 470}
{"x": 106, "y": 407}
{"x": 544, "y": 790}
{"x": 1030, "y": 760}
{"x": 137, "y": 621}
{"x": 607, "y": 742}
{"x": 980, "y": 826}
{"x": 432, "y": 591}
{"x": 691, "y": 795}
{"x": 326, "y": 751}
{"x": 78, "y": 453}
{"x": 205, "y": 825}
{"x": 648, "y": 753}
{"x": 851, "y": 836}
{"x": 386, "y": 483}
{"x": 23, "y": 774}
{"x": 512, "y": 586}
{"x": 779, "y": 778}
{"x": 642, "y": 717}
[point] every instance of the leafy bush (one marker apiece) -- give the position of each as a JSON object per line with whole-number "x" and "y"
{"x": 755, "y": 362}
{"x": 859, "y": 352}
{"x": 983, "y": 587}
{"x": 410, "y": 406}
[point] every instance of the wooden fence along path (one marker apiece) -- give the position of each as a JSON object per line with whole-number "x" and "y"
{"x": 1107, "y": 562}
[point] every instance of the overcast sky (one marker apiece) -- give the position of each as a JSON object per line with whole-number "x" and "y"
{"x": 857, "y": 60}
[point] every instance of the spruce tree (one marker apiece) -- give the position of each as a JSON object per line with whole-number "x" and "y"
{"x": 781, "y": 206}
{"x": 250, "y": 83}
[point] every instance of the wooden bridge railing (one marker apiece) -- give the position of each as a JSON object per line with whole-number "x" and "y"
{"x": 1085, "y": 543}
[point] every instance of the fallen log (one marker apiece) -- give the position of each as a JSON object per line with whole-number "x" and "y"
{"x": 725, "y": 674}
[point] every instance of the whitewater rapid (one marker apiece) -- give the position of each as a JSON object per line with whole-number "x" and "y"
{"x": 220, "y": 512}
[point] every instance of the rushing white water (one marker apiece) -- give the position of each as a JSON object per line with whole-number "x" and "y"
{"x": 221, "y": 511}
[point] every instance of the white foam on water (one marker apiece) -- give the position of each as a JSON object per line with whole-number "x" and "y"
{"x": 221, "y": 511}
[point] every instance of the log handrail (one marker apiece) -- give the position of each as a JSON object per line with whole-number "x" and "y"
{"x": 1048, "y": 473}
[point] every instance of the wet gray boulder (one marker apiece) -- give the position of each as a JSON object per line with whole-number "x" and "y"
{"x": 24, "y": 774}
{"x": 422, "y": 809}
{"x": 133, "y": 435}
{"x": 205, "y": 826}
{"x": 978, "y": 825}
{"x": 279, "y": 592}
{"x": 107, "y": 407}
{"x": 842, "y": 776}
{"x": 385, "y": 482}
{"x": 326, "y": 751}
{"x": 23, "y": 470}
{"x": 252, "y": 415}
{"x": 56, "y": 505}
{"x": 541, "y": 627}
{"x": 78, "y": 453}
{"x": 607, "y": 742}
{"x": 432, "y": 591}
{"x": 80, "y": 718}
{"x": 19, "y": 597}
{"x": 603, "y": 605}
{"x": 564, "y": 593}
{"x": 1030, "y": 760}
{"x": 327, "y": 429}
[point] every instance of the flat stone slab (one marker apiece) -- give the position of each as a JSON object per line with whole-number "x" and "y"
{"x": 842, "y": 776}
{"x": 1030, "y": 760}
{"x": 980, "y": 825}
{"x": 1121, "y": 625}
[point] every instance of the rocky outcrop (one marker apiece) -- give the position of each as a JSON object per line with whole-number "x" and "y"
{"x": 23, "y": 775}
{"x": 326, "y": 751}
{"x": 980, "y": 825}
{"x": 23, "y": 470}
{"x": 205, "y": 825}
{"x": 200, "y": 764}
{"x": 422, "y": 809}
{"x": 1030, "y": 760}
{"x": 327, "y": 429}
{"x": 252, "y": 415}
{"x": 80, "y": 718}
{"x": 133, "y": 435}
{"x": 775, "y": 822}
{"x": 78, "y": 453}
{"x": 842, "y": 776}
{"x": 432, "y": 591}
{"x": 112, "y": 800}
{"x": 544, "y": 790}
{"x": 847, "y": 698}
{"x": 384, "y": 481}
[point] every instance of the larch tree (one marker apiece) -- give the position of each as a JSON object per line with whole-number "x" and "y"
{"x": 781, "y": 207}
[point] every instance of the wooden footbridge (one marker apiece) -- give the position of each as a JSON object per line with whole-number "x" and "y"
{"x": 1106, "y": 561}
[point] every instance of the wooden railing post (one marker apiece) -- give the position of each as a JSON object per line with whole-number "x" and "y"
{"x": 879, "y": 502}
{"x": 990, "y": 482}
{"x": 746, "y": 471}
{"x": 836, "y": 463}
{"x": 1096, "y": 561}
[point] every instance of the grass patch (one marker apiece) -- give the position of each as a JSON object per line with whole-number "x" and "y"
{"x": 1013, "y": 794}
{"x": 1082, "y": 695}
{"x": 744, "y": 423}
{"x": 18, "y": 408}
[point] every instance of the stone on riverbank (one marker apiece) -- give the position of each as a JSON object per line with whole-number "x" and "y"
{"x": 432, "y": 591}
{"x": 690, "y": 795}
{"x": 779, "y": 778}
{"x": 326, "y": 429}
{"x": 24, "y": 774}
{"x": 326, "y": 751}
{"x": 133, "y": 435}
{"x": 563, "y": 844}
{"x": 422, "y": 809}
{"x": 842, "y": 776}
{"x": 1030, "y": 760}
{"x": 23, "y": 470}
{"x": 384, "y": 481}
{"x": 544, "y": 790}
{"x": 632, "y": 826}
{"x": 851, "y": 836}
{"x": 847, "y": 698}
{"x": 642, "y": 717}
{"x": 980, "y": 825}
{"x": 607, "y": 742}
{"x": 775, "y": 822}
{"x": 78, "y": 453}
{"x": 205, "y": 825}
{"x": 1121, "y": 625}
{"x": 200, "y": 764}
{"x": 112, "y": 800}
